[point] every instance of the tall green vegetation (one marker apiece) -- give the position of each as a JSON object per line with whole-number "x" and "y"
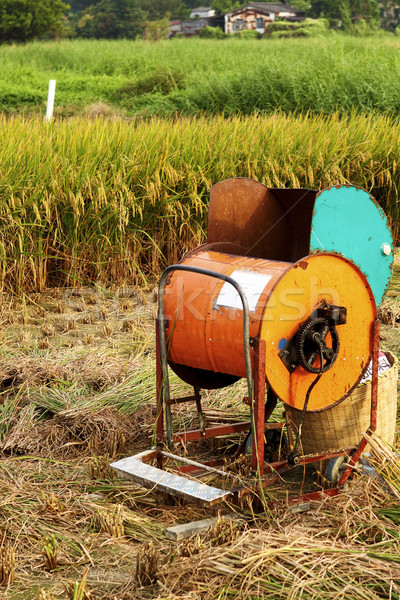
{"x": 173, "y": 9}
{"x": 111, "y": 19}
{"x": 344, "y": 14}
{"x": 111, "y": 200}
{"x": 306, "y": 28}
{"x": 78, "y": 5}
{"x": 24, "y": 20}
{"x": 319, "y": 75}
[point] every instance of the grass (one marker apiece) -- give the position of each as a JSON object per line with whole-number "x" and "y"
{"x": 192, "y": 76}
{"x": 116, "y": 201}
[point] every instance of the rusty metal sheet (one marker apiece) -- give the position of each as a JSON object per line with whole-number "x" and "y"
{"x": 245, "y": 212}
{"x": 298, "y": 205}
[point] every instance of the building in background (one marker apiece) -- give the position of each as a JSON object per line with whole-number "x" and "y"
{"x": 193, "y": 27}
{"x": 174, "y": 28}
{"x": 258, "y": 15}
{"x": 390, "y": 14}
{"x": 202, "y": 12}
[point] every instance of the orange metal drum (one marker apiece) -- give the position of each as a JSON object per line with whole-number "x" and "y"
{"x": 205, "y": 319}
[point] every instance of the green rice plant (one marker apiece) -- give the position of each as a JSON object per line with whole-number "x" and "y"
{"x": 133, "y": 77}
{"x": 78, "y": 590}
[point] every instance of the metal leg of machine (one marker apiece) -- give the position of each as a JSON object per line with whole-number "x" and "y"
{"x": 159, "y": 399}
{"x": 374, "y": 404}
{"x": 354, "y": 455}
{"x": 258, "y": 405}
{"x": 140, "y": 471}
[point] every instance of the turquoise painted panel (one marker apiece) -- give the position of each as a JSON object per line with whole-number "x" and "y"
{"x": 348, "y": 221}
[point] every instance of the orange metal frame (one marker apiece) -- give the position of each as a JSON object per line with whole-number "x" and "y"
{"x": 260, "y": 415}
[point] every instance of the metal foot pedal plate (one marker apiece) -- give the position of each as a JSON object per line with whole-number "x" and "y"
{"x": 169, "y": 483}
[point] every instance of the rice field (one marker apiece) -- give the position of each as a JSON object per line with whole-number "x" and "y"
{"x": 112, "y": 201}
{"x": 195, "y": 76}
{"x": 91, "y": 210}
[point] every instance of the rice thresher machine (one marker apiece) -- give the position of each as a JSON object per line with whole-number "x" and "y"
{"x": 284, "y": 294}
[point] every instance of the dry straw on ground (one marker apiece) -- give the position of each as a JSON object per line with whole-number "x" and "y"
{"x": 66, "y": 410}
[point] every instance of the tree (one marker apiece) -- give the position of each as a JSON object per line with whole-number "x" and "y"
{"x": 174, "y": 9}
{"x": 345, "y": 13}
{"x": 336, "y": 11}
{"x": 156, "y": 30}
{"x": 368, "y": 10}
{"x": 111, "y": 19}
{"x": 303, "y": 5}
{"x": 223, "y": 6}
{"x": 78, "y": 5}
{"x": 24, "y": 20}
{"x": 191, "y": 4}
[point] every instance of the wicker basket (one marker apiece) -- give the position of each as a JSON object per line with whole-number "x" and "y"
{"x": 343, "y": 425}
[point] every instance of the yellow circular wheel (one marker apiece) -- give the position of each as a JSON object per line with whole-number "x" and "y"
{"x": 296, "y": 295}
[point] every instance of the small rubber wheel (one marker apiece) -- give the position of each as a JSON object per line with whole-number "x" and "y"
{"x": 335, "y": 468}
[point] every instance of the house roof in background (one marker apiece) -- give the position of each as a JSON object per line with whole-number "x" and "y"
{"x": 273, "y": 7}
{"x": 201, "y": 8}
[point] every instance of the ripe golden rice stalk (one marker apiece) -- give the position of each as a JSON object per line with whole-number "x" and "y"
{"x": 7, "y": 565}
{"x": 50, "y": 551}
{"x": 99, "y": 467}
{"x": 285, "y": 564}
{"x": 111, "y": 522}
{"x": 43, "y": 594}
{"x": 51, "y": 503}
{"x": 147, "y": 565}
{"x": 73, "y": 225}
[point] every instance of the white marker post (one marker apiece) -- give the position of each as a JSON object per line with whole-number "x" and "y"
{"x": 50, "y": 99}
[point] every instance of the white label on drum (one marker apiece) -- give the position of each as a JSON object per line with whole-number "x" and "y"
{"x": 252, "y": 284}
